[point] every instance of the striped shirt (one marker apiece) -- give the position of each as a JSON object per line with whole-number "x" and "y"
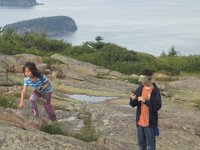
{"x": 38, "y": 83}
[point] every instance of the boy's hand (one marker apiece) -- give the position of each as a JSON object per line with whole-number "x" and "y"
{"x": 21, "y": 105}
{"x": 149, "y": 96}
{"x": 141, "y": 99}
{"x": 133, "y": 96}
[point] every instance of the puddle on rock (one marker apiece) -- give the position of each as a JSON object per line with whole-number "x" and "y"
{"x": 87, "y": 98}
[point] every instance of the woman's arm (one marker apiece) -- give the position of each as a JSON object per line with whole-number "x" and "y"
{"x": 44, "y": 87}
{"x": 23, "y": 93}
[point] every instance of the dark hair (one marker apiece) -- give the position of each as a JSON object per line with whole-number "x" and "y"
{"x": 147, "y": 72}
{"x": 32, "y": 67}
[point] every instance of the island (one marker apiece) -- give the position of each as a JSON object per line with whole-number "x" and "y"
{"x": 18, "y": 3}
{"x": 50, "y": 26}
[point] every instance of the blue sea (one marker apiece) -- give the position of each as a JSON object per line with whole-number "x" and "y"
{"x": 150, "y": 26}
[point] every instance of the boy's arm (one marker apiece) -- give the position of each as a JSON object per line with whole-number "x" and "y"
{"x": 134, "y": 99}
{"x": 133, "y": 102}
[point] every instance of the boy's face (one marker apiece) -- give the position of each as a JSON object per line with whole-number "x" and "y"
{"x": 144, "y": 79}
{"x": 28, "y": 73}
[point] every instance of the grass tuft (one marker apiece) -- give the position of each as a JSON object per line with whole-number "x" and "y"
{"x": 87, "y": 134}
{"x": 8, "y": 102}
{"x": 53, "y": 129}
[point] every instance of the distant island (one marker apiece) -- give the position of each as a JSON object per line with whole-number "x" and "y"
{"x": 18, "y": 3}
{"x": 56, "y": 25}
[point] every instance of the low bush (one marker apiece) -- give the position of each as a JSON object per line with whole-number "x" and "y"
{"x": 53, "y": 129}
{"x": 51, "y": 61}
{"x": 87, "y": 133}
{"x": 198, "y": 104}
{"x": 8, "y": 102}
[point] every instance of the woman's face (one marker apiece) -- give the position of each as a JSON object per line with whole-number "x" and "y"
{"x": 28, "y": 73}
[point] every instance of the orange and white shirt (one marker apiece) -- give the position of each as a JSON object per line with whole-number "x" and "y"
{"x": 144, "y": 116}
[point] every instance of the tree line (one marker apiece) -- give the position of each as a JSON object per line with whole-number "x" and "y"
{"x": 100, "y": 53}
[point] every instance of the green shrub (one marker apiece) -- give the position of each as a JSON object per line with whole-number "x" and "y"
{"x": 87, "y": 133}
{"x": 107, "y": 55}
{"x": 87, "y": 137}
{"x": 132, "y": 80}
{"x": 51, "y": 61}
{"x": 198, "y": 104}
{"x": 8, "y": 102}
{"x": 53, "y": 129}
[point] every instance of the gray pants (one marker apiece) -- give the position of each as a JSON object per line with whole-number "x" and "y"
{"x": 146, "y": 138}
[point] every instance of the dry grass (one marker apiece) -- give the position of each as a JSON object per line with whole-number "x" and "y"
{"x": 71, "y": 89}
{"x": 164, "y": 77}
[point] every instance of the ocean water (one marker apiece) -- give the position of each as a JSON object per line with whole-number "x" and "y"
{"x": 151, "y": 26}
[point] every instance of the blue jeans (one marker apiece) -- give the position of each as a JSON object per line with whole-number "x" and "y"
{"x": 146, "y": 138}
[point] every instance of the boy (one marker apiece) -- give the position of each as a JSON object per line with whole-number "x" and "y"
{"x": 148, "y": 101}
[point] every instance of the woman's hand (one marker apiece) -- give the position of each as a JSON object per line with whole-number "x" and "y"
{"x": 41, "y": 90}
{"x": 21, "y": 105}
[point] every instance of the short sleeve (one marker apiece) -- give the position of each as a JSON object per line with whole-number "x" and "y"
{"x": 45, "y": 79}
{"x": 26, "y": 82}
